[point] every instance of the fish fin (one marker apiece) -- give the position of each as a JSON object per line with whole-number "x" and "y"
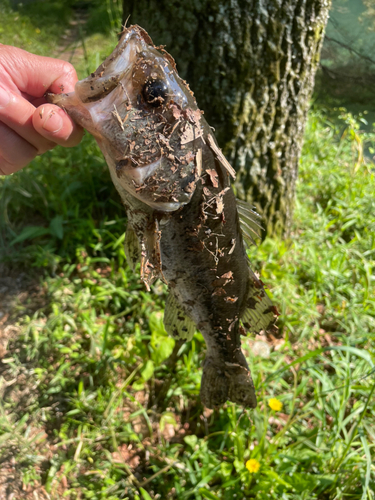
{"x": 227, "y": 381}
{"x": 176, "y": 322}
{"x": 260, "y": 313}
{"x": 132, "y": 249}
{"x": 249, "y": 222}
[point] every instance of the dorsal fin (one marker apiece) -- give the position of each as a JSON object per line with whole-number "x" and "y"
{"x": 176, "y": 322}
{"x": 132, "y": 249}
{"x": 249, "y": 222}
{"x": 260, "y": 313}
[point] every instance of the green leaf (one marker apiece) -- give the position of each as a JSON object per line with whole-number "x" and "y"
{"x": 162, "y": 345}
{"x": 207, "y": 494}
{"x": 148, "y": 370}
{"x": 366, "y": 449}
{"x": 273, "y": 475}
{"x": 238, "y": 464}
{"x": 353, "y": 350}
{"x": 119, "y": 241}
{"x": 51, "y": 476}
{"x": 191, "y": 440}
{"x": 29, "y": 233}
{"x": 226, "y": 469}
{"x": 145, "y": 495}
{"x": 156, "y": 323}
{"x": 56, "y": 227}
{"x": 299, "y": 360}
{"x": 73, "y": 412}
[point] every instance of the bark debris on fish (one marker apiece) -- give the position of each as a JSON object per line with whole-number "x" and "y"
{"x": 184, "y": 224}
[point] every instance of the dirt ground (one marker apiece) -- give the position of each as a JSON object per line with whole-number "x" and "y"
{"x": 20, "y": 293}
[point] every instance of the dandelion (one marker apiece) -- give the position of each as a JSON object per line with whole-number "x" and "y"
{"x": 275, "y": 404}
{"x": 252, "y": 465}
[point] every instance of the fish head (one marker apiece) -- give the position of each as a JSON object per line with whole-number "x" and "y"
{"x": 145, "y": 120}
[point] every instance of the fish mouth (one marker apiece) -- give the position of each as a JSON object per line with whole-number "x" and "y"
{"x": 112, "y": 105}
{"x": 107, "y": 77}
{"x": 110, "y": 73}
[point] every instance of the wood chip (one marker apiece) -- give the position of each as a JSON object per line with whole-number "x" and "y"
{"x": 190, "y": 133}
{"x": 193, "y": 116}
{"x": 177, "y": 113}
{"x": 223, "y": 280}
{"x": 198, "y": 162}
{"x": 220, "y": 156}
{"x": 233, "y": 243}
{"x": 118, "y": 117}
{"x": 231, "y": 300}
{"x": 219, "y": 205}
{"x": 228, "y": 275}
{"x": 213, "y": 176}
{"x": 190, "y": 187}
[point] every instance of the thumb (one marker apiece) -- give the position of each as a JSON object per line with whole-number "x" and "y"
{"x": 55, "y": 125}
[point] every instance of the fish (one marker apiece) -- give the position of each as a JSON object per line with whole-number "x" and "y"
{"x": 185, "y": 225}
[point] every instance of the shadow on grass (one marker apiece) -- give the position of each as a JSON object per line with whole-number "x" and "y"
{"x": 63, "y": 203}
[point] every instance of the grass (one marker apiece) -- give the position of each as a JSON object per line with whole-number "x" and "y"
{"x": 99, "y": 403}
{"x": 34, "y": 27}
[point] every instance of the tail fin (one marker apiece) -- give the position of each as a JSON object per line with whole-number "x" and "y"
{"x": 227, "y": 381}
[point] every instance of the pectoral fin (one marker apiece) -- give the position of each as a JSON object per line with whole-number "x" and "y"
{"x": 176, "y": 322}
{"x": 260, "y": 313}
{"x": 249, "y": 222}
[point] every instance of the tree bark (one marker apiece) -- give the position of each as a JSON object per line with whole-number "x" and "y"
{"x": 251, "y": 64}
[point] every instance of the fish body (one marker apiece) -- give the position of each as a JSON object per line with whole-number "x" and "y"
{"x": 184, "y": 224}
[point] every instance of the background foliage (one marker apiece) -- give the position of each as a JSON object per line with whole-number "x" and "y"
{"x": 98, "y": 403}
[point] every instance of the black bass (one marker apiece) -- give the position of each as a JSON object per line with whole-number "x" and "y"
{"x": 184, "y": 223}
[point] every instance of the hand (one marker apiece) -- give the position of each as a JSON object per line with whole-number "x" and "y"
{"x": 28, "y": 125}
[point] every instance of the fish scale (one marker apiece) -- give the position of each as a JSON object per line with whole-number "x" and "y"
{"x": 184, "y": 223}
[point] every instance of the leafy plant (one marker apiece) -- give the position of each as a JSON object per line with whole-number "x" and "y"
{"x": 99, "y": 403}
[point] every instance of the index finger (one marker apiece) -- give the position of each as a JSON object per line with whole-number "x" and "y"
{"x": 33, "y": 74}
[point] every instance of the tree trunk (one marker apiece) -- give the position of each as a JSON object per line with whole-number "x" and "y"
{"x": 251, "y": 64}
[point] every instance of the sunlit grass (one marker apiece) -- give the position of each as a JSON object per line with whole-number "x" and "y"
{"x": 94, "y": 354}
{"x": 99, "y": 403}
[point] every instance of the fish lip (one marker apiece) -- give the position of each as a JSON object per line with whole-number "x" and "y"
{"x": 113, "y": 69}
{"x": 82, "y": 87}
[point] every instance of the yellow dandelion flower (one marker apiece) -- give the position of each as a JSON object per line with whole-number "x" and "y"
{"x": 252, "y": 465}
{"x": 275, "y": 404}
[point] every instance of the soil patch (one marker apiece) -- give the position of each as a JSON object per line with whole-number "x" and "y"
{"x": 20, "y": 293}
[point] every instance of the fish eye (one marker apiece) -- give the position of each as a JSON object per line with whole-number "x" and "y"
{"x": 155, "y": 92}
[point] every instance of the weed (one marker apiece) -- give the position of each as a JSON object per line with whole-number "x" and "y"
{"x": 99, "y": 403}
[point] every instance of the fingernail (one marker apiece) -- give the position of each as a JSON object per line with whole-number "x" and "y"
{"x": 53, "y": 122}
{"x": 4, "y": 98}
